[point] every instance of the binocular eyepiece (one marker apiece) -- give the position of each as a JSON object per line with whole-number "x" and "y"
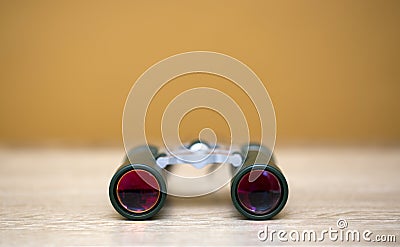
{"x": 259, "y": 190}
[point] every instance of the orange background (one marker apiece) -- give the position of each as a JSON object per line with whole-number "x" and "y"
{"x": 331, "y": 67}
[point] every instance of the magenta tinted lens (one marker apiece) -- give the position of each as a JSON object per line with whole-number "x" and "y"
{"x": 260, "y": 196}
{"x": 138, "y": 191}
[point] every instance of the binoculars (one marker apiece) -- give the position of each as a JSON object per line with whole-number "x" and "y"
{"x": 259, "y": 189}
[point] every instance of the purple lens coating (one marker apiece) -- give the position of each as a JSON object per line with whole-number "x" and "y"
{"x": 138, "y": 191}
{"x": 260, "y": 196}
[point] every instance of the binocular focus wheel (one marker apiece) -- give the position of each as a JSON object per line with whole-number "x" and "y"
{"x": 259, "y": 192}
{"x": 137, "y": 191}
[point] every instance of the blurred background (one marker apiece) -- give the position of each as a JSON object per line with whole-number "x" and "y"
{"x": 331, "y": 67}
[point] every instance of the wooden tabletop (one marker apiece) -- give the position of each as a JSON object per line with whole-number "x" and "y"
{"x": 59, "y": 197}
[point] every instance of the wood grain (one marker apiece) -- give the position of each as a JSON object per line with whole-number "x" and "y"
{"x": 58, "y": 197}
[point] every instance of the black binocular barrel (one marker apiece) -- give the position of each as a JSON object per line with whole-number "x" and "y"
{"x": 259, "y": 190}
{"x": 137, "y": 190}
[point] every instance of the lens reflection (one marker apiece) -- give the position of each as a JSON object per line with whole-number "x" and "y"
{"x": 138, "y": 191}
{"x": 260, "y": 196}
